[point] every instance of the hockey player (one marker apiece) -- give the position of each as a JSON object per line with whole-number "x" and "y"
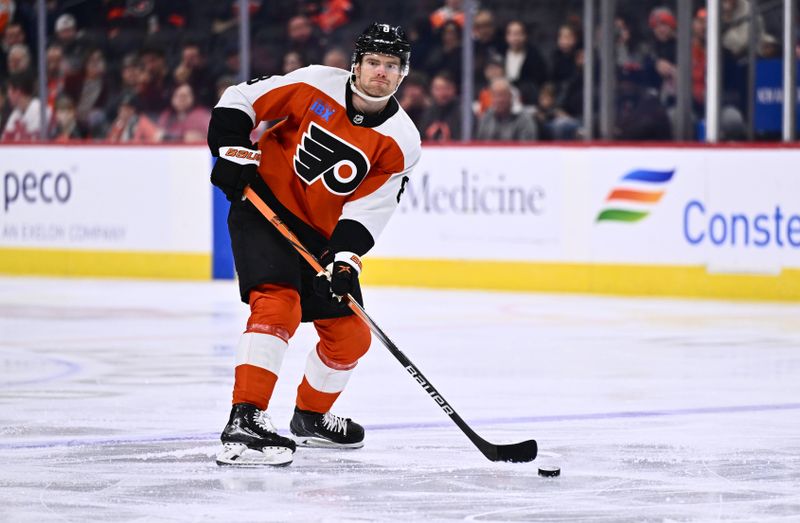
{"x": 333, "y": 169}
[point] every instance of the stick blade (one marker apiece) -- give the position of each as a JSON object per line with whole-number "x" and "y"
{"x": 522, "y": 452}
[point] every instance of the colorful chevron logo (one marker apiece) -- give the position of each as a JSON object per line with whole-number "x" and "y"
{"x": 634, "y": 196}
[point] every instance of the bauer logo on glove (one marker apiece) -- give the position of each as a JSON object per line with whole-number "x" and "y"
{"x": 235, "y": 169}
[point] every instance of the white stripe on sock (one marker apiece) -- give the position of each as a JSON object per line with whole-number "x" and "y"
{"x": 261, "y": 350}
{"x": 323, "y": 378}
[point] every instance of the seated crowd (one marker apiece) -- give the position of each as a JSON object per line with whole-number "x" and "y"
{"x": 154, "y": 76}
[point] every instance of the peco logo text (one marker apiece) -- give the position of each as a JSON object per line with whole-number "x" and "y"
{"x": 47, "y": 187}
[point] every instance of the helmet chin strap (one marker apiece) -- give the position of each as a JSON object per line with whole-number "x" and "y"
{"x": 366, "y": 96}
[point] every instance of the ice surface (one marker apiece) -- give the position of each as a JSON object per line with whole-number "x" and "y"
{"x": 113, "y": 393}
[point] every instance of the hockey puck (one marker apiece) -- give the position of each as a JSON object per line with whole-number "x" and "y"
{"x": 549, "y": 472}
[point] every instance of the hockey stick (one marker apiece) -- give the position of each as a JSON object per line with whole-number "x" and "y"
{"x": 522, "y": 452}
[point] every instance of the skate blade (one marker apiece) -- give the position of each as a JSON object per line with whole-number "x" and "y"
{"x": 239, "y": 455}
{"x": 321, "y": 443}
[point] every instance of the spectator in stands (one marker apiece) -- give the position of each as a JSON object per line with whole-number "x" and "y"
{"x": 269, "y": 25}
{"x": 486, "y": 34}
{"x": 66, "y": 31}
{"x": 558, "y": 112}
{"x": 264, "y": 57}
{"x": 126, "y": 85}
{"x": 736, "y": 26}
{"x": 166, "y": 21}
{"x": 451, "y": 11}
{"x": 488, "y": 44}
{"x": 65, "y": 126}
{"x": 6, "y": 13}
{"x": 155, "y": 85}
{"x": 330, "y": 16}
{"x": 184, "y": 121}
{"x": 74, "y": 48}
{"x": 301, "y": 39}
{"x": 560, "y": 124}
{"x": 5, "y": 108}
{"x": 442, "y": 120}
{"x": 447, "y": 55}
{"x": 732, "y": 125}
{"x": 559, "y": 109}
{"x": 641, "y": 114}
{"x": 699, "y": 24}
{"x": 55, "y": 72}
{"x": 414, "y": 97}
{"x": 228, "y": 62}
{"x": 91, "y": 91}
{"x": 662, "y": 71}
{"x": 19, "y": 59}
{"x": 524, "y": 65}
{"x": 563, "y": 59}
{"x": 225, "y": 20}
{"x": 336, "y": 57}
{"x": 292, "y": 61}
{"x": 505, "y": 120}
{"x": 14, "y": 35}
{"x": 630, "y": 51}
{"x": 545, "y": 113}
{"x": 23, "y": 123}
{"x": 422, "y": 40}
{"x": 222, "y": 83}
{"x": 569, "y": 103}
{"x": 192, "y": 69}
{"x": 125, "y": 29}
{"x": 491, "y": 71}
{"x": 770, "y": 47}
{"x": 132, "y": 126}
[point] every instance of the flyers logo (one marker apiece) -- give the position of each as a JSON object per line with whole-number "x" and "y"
{"x": 321, "y": 154}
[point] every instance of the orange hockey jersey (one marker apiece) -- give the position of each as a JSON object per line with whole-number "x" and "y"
{"x": 326, "y": 161}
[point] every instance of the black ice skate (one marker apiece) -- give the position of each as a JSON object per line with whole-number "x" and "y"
{"x": 312, "y": 429}
{"x": 250, "y": 439}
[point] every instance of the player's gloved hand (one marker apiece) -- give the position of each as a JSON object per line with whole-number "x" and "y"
{"x": 339, "y": 277}
{"x": 235, "y": 169}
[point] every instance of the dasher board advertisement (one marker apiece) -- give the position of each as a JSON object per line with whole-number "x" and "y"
{"x": 106, "y": 198}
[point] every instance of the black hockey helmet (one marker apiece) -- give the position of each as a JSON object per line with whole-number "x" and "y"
{"x": 383, "y": 39}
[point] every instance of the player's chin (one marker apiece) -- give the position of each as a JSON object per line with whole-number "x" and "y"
{"x": 379, "y": 89}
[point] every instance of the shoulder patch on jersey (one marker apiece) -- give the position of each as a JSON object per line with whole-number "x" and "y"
{"x": 321, "y": 154}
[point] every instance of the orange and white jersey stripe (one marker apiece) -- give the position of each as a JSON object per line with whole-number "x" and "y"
{"x": 325, "y": 161}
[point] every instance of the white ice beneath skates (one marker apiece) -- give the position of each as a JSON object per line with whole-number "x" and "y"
{"x": 237, "y": 454}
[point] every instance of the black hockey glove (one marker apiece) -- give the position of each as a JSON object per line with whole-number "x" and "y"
{"x": 339, "y": 277}
{"x": 235, "y": 169}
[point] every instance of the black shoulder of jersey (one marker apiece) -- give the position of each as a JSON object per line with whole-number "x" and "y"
{"x": 229, "y": 127}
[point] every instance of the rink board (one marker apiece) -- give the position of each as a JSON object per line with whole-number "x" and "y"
{"x": 106, "y": 211}
{"x": 688, "y": 221}
{"x": 630, "y": 280}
